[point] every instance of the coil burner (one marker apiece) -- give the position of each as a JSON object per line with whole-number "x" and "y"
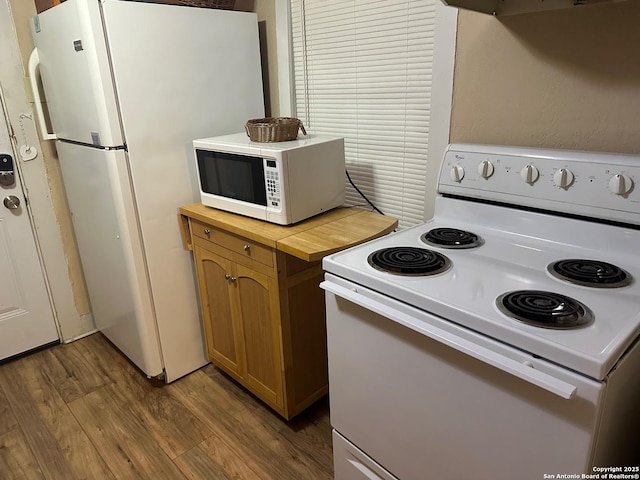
{"x": 590, "y": 273}
{"x": 451, "y": 238}
{"x": 409, "y": 261}
{"x": 544, "y": 309}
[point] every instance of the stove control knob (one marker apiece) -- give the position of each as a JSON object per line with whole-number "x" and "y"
{"x": 529, "y": 174}
{"x": 456, "y": 173}
{"x": 620, "y": 184}
{"x": 485, "y": 169}
{"x": 563, "y": 178}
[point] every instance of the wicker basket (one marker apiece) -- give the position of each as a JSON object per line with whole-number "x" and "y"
{"x": 274, "y": 129}
{"x": 221, "y": 4}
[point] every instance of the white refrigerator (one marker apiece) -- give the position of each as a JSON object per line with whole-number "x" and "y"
{"x": 128, "y": 86}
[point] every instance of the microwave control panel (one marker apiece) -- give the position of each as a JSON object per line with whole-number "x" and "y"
{"x": 272, "y": 182}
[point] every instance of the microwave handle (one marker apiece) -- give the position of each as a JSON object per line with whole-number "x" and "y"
{"x": 34, "y": 63}
{"x": 483, "y": 354}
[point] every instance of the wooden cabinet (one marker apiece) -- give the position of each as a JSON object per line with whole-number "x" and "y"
{"x": 262, "y": 310}
{"x": 252, "y": 317}
{"x": 223, "y": 340}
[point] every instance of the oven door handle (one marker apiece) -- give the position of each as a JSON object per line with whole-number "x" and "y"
{"x": 523, "y": 371}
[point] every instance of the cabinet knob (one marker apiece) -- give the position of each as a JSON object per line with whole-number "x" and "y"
{"x": 229, "y": 277}
{"x": 207, "y": 231}
{"x": 247, "y": 247}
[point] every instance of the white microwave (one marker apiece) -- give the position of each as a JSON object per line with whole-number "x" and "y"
{"x": 280, "y": 182}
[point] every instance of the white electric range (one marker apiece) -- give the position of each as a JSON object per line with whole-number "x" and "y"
{"x": 500, "y": 339}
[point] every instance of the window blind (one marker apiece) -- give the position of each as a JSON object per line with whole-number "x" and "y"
{"x": 362, "y": 70}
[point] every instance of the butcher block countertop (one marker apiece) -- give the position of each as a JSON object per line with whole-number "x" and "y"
{"x": 309, "y": 240}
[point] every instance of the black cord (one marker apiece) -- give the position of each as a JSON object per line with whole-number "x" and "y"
{"x": 362, "y": 194}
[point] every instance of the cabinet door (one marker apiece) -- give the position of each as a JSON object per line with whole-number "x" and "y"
{"x": 222, "y": 335}
{"x": 257, "y": 302}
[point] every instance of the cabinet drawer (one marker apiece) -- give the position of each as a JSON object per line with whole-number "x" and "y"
{"x": 239, "y": 245}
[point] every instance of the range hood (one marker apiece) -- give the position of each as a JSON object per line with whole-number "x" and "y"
{"x": 513, "y": 7}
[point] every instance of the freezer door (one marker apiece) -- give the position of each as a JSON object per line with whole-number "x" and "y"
{"x": 104, "y": 219}
{"x": 76, "y": 75}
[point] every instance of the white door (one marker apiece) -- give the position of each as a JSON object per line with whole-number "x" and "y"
{"x": 101, "y": 202}
{"x": 175, "y": 84}
{"x": 26, "y": 316}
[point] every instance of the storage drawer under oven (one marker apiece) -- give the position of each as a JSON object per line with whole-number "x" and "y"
{"x": 350, "y": 463}
{"x": 411, "y": 398}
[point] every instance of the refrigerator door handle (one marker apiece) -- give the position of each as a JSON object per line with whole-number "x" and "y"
{"x": 34, "y": 63}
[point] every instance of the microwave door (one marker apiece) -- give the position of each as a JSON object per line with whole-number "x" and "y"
{"x": 232, "y": 176}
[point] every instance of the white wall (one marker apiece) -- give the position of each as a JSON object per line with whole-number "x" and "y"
{"x": 444, "y": 47}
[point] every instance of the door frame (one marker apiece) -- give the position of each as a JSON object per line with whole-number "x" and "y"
{"x": 34, "y": 180}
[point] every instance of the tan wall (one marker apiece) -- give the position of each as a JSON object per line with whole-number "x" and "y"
{"x": 266, "y": 10}
{"x": 22, "y": 11}
{"x": 562, "y": 79}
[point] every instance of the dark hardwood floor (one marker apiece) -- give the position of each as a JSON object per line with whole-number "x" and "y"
{"x": 82, "y": 411}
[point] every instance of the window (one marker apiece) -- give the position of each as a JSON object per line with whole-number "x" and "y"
{"x": 363, "y": 70}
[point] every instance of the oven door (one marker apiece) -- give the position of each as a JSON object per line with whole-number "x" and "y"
{"x": 425, "y": 398}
